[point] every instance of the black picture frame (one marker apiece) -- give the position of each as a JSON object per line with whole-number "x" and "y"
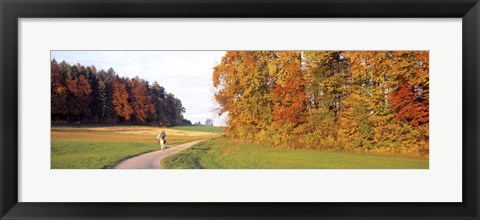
{"x": 12, "y": 10}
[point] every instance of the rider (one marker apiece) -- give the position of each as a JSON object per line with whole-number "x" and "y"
{"x": 163, "y": 136}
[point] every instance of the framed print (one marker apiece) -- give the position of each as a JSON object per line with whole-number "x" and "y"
{"x": 225, "y": 109}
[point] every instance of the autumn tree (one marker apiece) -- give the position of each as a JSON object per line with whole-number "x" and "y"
{"x": 80, "y": 97}
{"x": 243, "y": 78}
{"x": 120, "y": 98}
{"x": 326, "y": 73}
{"x": 410, "y": 96}
{"x": 141, "y": 100}
{"x": 229, "y": 89}
{"x": 289, "y": 98}
{"x": 58, "y": 91}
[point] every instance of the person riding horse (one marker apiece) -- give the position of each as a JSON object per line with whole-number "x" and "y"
{"x": 162, "y": 139}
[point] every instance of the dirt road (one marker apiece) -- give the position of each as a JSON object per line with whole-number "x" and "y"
{"x": 152, "y": 160}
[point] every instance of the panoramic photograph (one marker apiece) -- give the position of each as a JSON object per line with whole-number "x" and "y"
{"x": 239, "y": 109}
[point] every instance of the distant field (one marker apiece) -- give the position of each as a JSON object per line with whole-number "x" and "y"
{"x": 142, "y": 134}
{"x": 222, "y": 153}
{"x": 90, "y": 147}
{"x": 213, "y": 129}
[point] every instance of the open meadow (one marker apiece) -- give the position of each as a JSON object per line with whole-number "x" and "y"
{"x": 96, "y": 147}
{"x": 223, "y": 153}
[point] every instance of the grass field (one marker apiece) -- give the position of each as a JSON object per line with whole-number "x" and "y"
{"x": 221, "y": 153}
{"x": 94, "y": 154}
{"x": 96, "y": 147}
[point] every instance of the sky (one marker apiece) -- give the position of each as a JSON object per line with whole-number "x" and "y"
{"x": 187, "y": 74}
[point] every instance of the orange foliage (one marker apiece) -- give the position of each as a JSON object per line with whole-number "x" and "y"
{"x": 289, "y": 93}
{"x": 81, "y": 92}
{"x": 120, "y": 99}
{"x": 409, "y": 105}
{"x": 142, "y": 101}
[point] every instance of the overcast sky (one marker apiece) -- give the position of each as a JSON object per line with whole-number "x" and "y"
{"x": 187, "y": 74}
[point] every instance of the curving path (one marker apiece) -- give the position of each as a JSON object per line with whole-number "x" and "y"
{"x": 152, "y": 160}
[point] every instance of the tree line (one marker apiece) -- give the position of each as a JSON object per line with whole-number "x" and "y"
{"x": 82, "y": 94}
{"x": 354, "y": 101}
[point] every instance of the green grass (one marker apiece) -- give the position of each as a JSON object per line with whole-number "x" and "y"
{"x": 211, "y": 129}
{"x": 68, "y": 154}
{"x": 222, "y": 153}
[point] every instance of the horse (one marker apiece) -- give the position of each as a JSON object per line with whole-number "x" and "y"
{"x": 161, "y": 142}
